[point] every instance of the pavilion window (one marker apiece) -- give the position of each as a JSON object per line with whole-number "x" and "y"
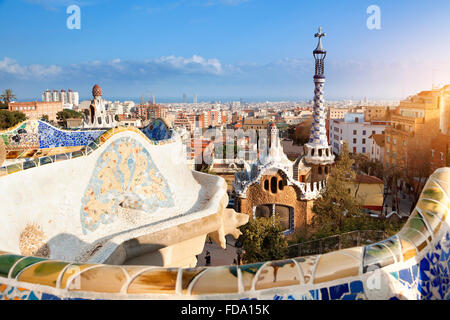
{"x": 273, "y": 185}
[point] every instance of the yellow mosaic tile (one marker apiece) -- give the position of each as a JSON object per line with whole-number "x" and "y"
{"x": 416, "y": 222}
{"x": 278, "y": 274}
{"x": 72, "y": 270}
{"x": 45, "y": 273}
{"x": 413, "y": 236}
{"x": 336, "y": 265}
{"x": 187, "y": 277}
{"x": 435, "y": 212}
{"x": 408, "y": 250}
{"x": 307, "y": 265}
{"x": 14, "y": 168}
{"x": 155, "y": 281}
{"x": 100, "y": 279}
{"x": 443, "y": 178}
{"x": 216, "y": 280}
{"x": 133, "y": 270}
{"x": 248, "y": 273}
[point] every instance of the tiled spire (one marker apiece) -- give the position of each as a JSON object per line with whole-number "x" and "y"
{"x": 317, "y": 149}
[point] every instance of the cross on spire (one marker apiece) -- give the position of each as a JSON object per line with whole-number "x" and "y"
{"x": 320, "y": 34}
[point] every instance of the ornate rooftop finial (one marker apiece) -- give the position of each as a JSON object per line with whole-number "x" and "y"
{"x": 319, "y": 35}
{"x": 319, "y": 54}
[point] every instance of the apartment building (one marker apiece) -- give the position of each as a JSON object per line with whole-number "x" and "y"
{"x": 355, "y": 131}
{"x": 37, "y": 109}
{"x": 416, "y": 124}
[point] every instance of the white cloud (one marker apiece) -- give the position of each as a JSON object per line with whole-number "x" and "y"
{"x": 195, "y": 64}
{"x": 345, "y": 78}
{"x": 33, "y": 71}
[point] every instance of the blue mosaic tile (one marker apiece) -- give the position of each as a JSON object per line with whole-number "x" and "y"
{"x": 405, "y": 275}
{"x": 351, "y": 296}
{"x": 157, "y": 130}
{"x": 324, "y": 294}
{"x": 356, "y": 287}
{"x": 315, "y": 294}
{"x": 336, "y": 292}
{"x": 51, "y": 137}
{"x": 415, "y": 271}
{"x": 46, "y": 296}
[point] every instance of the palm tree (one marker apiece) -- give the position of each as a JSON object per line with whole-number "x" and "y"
{"x": 7, "y": 96}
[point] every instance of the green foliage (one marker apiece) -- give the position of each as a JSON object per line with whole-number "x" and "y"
{"x": 262, "y": 240}
{"x": 338, "y": 210}
{"x": 337, "y": 203}
{"x": 205, "y": 168}
{"x": 231, "y": 148}
{"x": 62, "y": 116}
{"x": 365, "y": 222}
{"x": 45, "y": 117}
{"x": 365, "y": 165}
{"x": 9, "y": 119}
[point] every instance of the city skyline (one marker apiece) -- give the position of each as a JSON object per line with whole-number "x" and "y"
{"x": 223, "y": 48}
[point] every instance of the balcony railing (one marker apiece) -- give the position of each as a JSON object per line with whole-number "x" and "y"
{"x": 337, "y": 242}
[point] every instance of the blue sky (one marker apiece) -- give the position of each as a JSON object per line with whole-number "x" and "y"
{"x": 223, "y": 48}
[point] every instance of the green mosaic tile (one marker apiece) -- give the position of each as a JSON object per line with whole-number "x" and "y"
{"x": 6, "y": 262}
{"x": 23, "y": 264}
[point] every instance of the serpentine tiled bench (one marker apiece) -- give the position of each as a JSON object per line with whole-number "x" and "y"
{"x": 414, "y": 264}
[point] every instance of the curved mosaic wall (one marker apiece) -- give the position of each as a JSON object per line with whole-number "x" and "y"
{"x": 414, "y": 264}
{"x": 36, "y": 138}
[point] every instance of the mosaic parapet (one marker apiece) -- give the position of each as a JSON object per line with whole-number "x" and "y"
{"x": 39, "y": 143}
{"x": 414, "y": 264}
{"x": 119, "y": 192}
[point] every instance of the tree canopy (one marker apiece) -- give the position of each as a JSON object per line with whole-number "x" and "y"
{"x": 62, "y": 116}
{"x": 9, "y": 119}
{"x": 337, "y": 203}
{"x": 262, "y": 240}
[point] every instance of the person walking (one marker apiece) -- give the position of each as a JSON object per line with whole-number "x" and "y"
{"x": 208, "y": 258}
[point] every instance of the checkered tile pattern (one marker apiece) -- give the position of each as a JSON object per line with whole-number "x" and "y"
{"x": 318, "y": 134}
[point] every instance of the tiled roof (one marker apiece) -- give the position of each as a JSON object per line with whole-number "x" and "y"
{"x": 379, "y": 139}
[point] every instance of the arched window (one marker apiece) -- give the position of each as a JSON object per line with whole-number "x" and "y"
{"x": 326, "y": 169}
{"x": 280, "y": 184}
{"x": 312, "y": 152}
{"x": 319, "y": 170}
{"x": 273, "y": 185}
{"x": 92, "y": 112}
{"x": 320, "y": 152}
{"x": 266, "y": 185}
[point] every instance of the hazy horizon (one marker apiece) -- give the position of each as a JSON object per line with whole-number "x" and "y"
{"x": 223, "y": 48}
